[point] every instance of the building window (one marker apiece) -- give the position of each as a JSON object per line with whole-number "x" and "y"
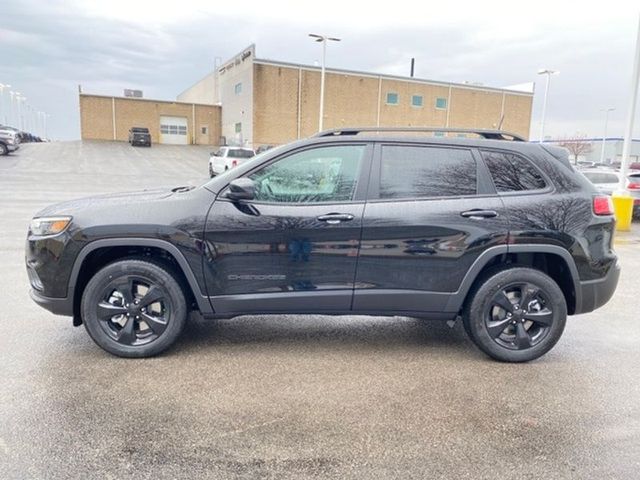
{"x": 238, "y": 127}
{"x": 438, "y": 134}
{"x": 416, "y": 101}
{"x": 204, "y": 130}
{"x": 441, "y": 103}
{"x": 238, "y": 88}
{"x": 392, "y": 98}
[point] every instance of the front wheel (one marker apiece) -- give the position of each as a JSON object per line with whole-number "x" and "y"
{"x": 516, "y": 315}
{"x": 134, "y": 308}
{"x": 3, "y": 149}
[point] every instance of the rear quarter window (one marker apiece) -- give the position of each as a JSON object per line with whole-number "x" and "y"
{"x": 512, "y": 173}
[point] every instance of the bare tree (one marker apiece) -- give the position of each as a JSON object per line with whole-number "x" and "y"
{"x": 577, "y": 146}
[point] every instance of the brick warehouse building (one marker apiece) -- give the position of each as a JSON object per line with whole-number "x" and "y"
{"x": 253, "y": 101}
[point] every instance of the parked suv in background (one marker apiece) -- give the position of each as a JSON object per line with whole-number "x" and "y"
{"x": 228, "y": 157}
{"x": 498, "y": 232}
{"x": 9, "y": 140}
{"x": 139, "y": 136}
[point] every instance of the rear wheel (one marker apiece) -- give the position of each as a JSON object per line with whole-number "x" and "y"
{"x": 3, "y": 149}
{"x": 211, "y": 174}
{"x": 516, "y": 315}
{"x": 134, "y": 308}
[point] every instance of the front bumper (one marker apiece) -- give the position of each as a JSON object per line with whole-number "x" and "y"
{"x": 12, "y": 147}
{"x": 57, "y": 306}
{"x": 595, "y": 293}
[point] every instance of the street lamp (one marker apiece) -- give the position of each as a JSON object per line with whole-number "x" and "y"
{"x": 21, "y": 107}
{"x": 2, "y": 105}
{"x": 604, "y": 135}
{"x": 548, "y": 73}
{"x": 323, "y": 39}
{"x": 12, "y": 95}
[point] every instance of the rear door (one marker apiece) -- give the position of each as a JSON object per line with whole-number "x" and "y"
{"x": 432, "y": 211}
{"x": 294, "y": 247}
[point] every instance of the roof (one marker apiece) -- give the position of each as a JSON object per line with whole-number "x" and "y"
{"x": 136, "y": 99}
{"x": 596, "y": 139}
{"x": 468, "y": 86}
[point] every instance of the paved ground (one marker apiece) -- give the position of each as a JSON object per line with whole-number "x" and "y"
{"x": 295, "y": 397}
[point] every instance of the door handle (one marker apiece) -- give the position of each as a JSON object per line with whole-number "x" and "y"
{"x": 478, "y": 214}
{"x": 335, "y": 218}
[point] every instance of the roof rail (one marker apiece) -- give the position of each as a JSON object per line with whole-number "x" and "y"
{"x": 486, "y": 134}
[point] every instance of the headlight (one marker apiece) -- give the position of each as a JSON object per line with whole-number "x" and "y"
{"x": 49, "y": 225}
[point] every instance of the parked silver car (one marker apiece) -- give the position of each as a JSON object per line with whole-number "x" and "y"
{"x": 607, "y": 182}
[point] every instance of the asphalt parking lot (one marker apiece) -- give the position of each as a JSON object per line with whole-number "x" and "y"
{"x": 295, "y": 397}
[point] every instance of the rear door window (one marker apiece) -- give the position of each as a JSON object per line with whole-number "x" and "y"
{"x": 512, "y": 173}
{"x": 408, "y": 171}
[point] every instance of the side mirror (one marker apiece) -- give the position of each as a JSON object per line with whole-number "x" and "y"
{"x": 241, "y": 189}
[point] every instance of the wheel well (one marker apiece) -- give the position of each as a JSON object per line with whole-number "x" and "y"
{"x": 101, "y": 257}
{"x": 551, "y": 264}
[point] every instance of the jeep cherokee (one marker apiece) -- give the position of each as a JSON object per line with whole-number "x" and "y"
{"x": 501, "y": 233}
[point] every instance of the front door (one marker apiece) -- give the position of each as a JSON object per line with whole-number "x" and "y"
{"x": 295, "y": 246}
{"x": 432, "y": 212}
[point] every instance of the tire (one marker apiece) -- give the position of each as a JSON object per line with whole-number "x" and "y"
{"x": 506, "y": 331}
{"x": 211, "y": 174}
{"x": 3, "y": 149}
{"x": 120, "y": 316}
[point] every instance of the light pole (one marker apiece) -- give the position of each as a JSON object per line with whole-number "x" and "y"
{"x": 13, "y": 95}
{"x": 20, "y": 100}
{"x": 323, "y": 39}
{"x": 44, "y": 118}
{"x": 604, "y": 135}
{"x": 2, "y": 105}
{"x": 548, "y": 73}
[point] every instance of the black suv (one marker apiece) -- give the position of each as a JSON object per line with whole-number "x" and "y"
{"x": 139, "y": 136}
{"x": 501, "y": 233}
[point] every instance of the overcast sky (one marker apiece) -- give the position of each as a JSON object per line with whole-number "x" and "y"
{"x": 49, "y": 47}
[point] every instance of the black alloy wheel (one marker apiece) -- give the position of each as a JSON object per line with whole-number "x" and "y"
{"x": 516, "y": 314}
{"x": 134, "y": 308}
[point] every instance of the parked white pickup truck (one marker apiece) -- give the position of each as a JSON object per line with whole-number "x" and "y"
{"x": 228, "y": 157}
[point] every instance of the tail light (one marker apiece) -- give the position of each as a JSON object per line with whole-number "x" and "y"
{"x": 633, "y": 186}
{"x": 602, "y": 205}
{"x": 234, "y": 163}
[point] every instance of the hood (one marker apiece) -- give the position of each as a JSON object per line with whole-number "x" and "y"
{"x": 113, "y": 200}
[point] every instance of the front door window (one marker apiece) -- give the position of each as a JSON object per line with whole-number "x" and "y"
{"x": 326, "y": 174}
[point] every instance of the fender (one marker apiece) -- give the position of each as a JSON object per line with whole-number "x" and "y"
{"x": 457, "y": 298}
{"x": 203, "y": 302}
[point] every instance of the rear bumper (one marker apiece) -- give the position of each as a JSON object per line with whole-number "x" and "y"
{"x": 595, "y": 293}
{"x": 57, "y": 306}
